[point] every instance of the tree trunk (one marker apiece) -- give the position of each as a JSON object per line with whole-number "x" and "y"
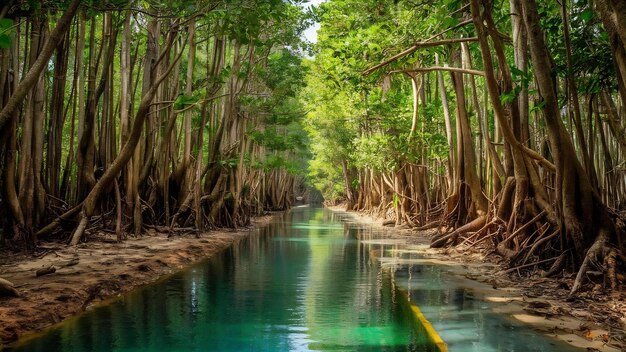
{"x": 90, "y": 202}
{"x": 38, "y": 66}
{"x": 587, "y": 224}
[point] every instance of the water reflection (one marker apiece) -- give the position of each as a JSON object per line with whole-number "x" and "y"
{"x": 302, "y": 283}
{"x": 461, "y": 318}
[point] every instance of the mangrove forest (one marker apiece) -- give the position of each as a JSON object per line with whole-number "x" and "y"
{"x": 491, "y": 129}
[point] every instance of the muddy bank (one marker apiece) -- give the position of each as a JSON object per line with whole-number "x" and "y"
{"x": 594, "y": 320}
{"x": 95, "y": 271}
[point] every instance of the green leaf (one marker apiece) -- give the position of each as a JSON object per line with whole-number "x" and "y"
{"x": 586, "y": 15}
{"x": 507, "y": 97}
{"x": 538, "y": 106}
{"x": 5, "y": 41}
{"x": 374, "y": 47}
{"x": 450, "y": 22}
{"x": 184, "y": 100}
{"x": 453, "y": 5}
{"x": 516, "y": 71}
{"x": 5, "y": 23}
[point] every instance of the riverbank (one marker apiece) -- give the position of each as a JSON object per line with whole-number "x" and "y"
{"x": 593, "y": 320}
{"x": 96, "y": 271}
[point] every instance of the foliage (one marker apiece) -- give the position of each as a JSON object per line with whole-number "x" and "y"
{"x": 281, "y": 134}
{"x": 365, "y": 121}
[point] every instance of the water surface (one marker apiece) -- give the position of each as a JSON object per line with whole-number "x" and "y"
{"x": 303, "y": 283}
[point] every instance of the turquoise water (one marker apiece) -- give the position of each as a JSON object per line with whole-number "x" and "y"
{"x": 462, "y": 319}
{"x": 303, "y": 283}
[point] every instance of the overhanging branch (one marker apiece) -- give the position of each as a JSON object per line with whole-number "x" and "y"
{"x": 441, "y": 68}
{"x": 415, "y": 47}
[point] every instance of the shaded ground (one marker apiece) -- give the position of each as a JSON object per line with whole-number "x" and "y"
{"x": 95, "y": 271}
{"x": 595, "y": 319}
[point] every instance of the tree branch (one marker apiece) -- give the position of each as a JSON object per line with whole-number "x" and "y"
{"x": 415, "y": 47}
{"x": 442, "y": 68}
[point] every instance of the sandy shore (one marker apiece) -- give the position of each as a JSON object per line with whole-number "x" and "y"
{"x": 595, "y": 320}
{"x": 95, "y": 271}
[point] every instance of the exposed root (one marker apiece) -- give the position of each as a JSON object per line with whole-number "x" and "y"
{"x": 452, "y": 237}
{"x": 597, "y": 251}
{"x": 610, "y": 262}
{"x": 428, "y": 226}
{"x": 538, "y": 243}
{"x": 502, "y": 248}
{"x": 530, "y": 264}
{"x": 57, "y": 222}
{"x": 78, "y": 233}
{"x": 557, "y": 266}
{"x": 473, "y": 238}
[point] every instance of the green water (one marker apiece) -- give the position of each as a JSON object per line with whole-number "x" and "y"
{"x": 303, "y": 283}
{"x": 465, "y": 321}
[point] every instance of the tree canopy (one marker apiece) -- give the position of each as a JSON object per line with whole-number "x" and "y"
{"x": 498, "y": 124}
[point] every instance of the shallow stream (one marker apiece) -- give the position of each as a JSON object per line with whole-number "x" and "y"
{"x": 303, "y": 283}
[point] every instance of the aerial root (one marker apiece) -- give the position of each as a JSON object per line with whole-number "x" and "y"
{"x": 557, "y": 266}
{"x": 428, "y": 226}
{"x": 600, "y": 249}
{"x": 474, "y": 225}
{"x": 80, "y": 230}
{"x": 502, "y": 248}
{"x": 610, "y": 261}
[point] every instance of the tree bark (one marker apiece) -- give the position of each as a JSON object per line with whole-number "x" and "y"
{"x": 90, "y": 202}
{"x": 34, "y": 72}
{"x": 585, "y": 218}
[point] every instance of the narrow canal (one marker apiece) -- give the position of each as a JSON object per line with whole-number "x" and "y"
{"x": 303, "y": 283}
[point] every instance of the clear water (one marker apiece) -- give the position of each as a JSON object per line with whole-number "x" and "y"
{"x": 303, "y": 283}
{"x": 462, "y": 319}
